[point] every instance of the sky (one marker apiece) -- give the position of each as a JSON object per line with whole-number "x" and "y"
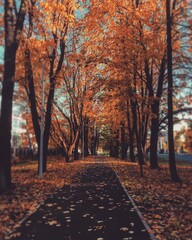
{"x": 1, "y": 54}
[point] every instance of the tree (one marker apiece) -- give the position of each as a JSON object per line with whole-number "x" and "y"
{"x": 52, "y": 39}
{"x": 172, "y": 161}
{"x": 13, "y": 25}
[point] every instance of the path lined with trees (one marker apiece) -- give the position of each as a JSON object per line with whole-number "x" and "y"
{"x": 111, "y": 73}
{"x": 94, "y": 206}
{"x": 95, "y": 76}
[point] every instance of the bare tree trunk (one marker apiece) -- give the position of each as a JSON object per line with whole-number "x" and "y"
{"x": 116, "y": 144}
{"x": 30, "y": 88}
{"x": 94, "y": 140}
{"x": 154, "y": 137}
{"x": 48, "y": 119}
{"x": 155, "y": 110}
{"x": 86, "y": 136}
{"x": 13, "y": 26}
{"x": 131, "y": 148}
{"x": 138, "y": 140}
{"x": 71, "y": 147}
{"x": 172, "y": 162}
{"x": 124, "y": 145}
{"x": 76, "y": 153}
{"x": 131, "y": 138}
{"x": 52, "y": 80}
{"x": 6, "y": 118}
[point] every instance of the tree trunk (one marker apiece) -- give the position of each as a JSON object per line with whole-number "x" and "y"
{"x": 67, "y": 158}
{"x": 131, "y": 137}
{"x": 86, "y": 137}
{"x": 116, "y": 145}
{"x": 153, "y": 144}
{"x": 12, "y": 39}
{"x": 155, "y": 110}
{"x": 131, "y": 147}
{"x": 154, "y": 136}
{"x": 6, "y": 118}
{"x": 76, "y": 153}
{"x": 138, "y": 140}
{"x": 123, "y": 142}
{"x": 172, "y": 162}
{"x": 69, "y": 155}
{"x": 48, "y": 118}
{"x": 31, "y": 95}
{"x": 94, "y": 141}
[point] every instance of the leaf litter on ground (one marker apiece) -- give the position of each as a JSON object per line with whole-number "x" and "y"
{"x": 166, "y": 206}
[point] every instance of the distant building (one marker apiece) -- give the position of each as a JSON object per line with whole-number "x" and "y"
{"x": 181, "y": 140}
{"x": 162, "y": 146}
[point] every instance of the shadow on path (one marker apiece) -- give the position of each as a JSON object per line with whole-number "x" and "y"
{"x": 94, "y": 207}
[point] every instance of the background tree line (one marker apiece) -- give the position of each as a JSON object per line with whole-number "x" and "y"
{"x": 108, "y": 69}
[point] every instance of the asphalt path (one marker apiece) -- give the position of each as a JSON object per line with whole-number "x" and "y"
{"x": 94, "y": 207}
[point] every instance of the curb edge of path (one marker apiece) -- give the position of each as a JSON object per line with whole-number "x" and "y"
{"x": 28, "y": 214}
{"x": 149, "y": 230}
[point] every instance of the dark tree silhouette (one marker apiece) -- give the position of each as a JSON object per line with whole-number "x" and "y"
{"x": 172, "y": 162}
{"x": 13, "y": 26}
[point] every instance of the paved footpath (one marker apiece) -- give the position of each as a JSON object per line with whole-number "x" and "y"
{"x": 94, "y": 207}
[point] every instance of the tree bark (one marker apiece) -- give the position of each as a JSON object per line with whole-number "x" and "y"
{"x": 155, "y": 110}
{"x": 69, "y": 155}
{"x": 6, "y": 118}
{"x": 154, "y": 136}
{"x": 124, "y": 145}
{"x": 86, "y": 136}
{"x": 52, "y": 78}
{"x": 131, "y": 148}
{"x": 131, "y": 138}
{"x": 48, "y": 119}
{"x": 138, "y": 140}
{"x": 76, "y": 153}
{"x": 13, "y": 26}
{"x": 94, "y": 139}
{"x": 172, "y": 161}
{"x": 71, "y": 147}
{"x": 30, "y": 88}
{"x": 116, "y": 145}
